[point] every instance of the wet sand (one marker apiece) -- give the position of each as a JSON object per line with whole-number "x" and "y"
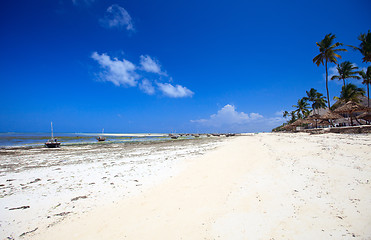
{"x": 40, "y": 187}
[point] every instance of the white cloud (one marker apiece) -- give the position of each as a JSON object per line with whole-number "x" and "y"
{"x": 117, "y": 17}
{"x": 175, "y": 92}
{"x": 227, "y": 119}
{"x": 147, "y": 87}
{"x": 116, "y": 71}
{"x": 332, "y": 71}
{"x": 150, "y": 65}
{"x": 125, "y": 73}
{"x": 228, "y": 116}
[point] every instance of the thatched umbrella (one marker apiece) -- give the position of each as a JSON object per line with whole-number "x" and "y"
{"x": 330, "y": 116}
{"x": 365, "y": 116}
{"x": 301, "y": 121}
{"x": 288, "y": 127}
{"x": 314, "y": 117}
{"x": 351, "y": 108}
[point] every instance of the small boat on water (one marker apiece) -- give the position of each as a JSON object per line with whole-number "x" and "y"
{"x": 173, "y": 136}
{"x": 101, "y": 138}
{"x": 52, "y": 142}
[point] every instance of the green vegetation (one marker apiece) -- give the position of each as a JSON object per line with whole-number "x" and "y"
{"x": 328, "y": 53}
{"x": 329, "y": 50}
{"x": 346, "y": 70}
{"x": 366, "y": 76}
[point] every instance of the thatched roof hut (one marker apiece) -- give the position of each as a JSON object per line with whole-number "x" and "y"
{"x": 314, "y": 117}
{"x": 302, "y": 122}
{"x": 351, "y": 107}
{"x": 330, "y": 116}
{"x": 365, "y": 116}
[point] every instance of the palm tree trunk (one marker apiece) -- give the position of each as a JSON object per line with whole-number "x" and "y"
{"x": 368, "y": 96}
{"x": 328, "y": 95}
{"x": 344, "y": 81}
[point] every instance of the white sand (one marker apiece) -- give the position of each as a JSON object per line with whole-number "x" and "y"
{"x": 60, "y": 183}
{"x": 266, "y": 186}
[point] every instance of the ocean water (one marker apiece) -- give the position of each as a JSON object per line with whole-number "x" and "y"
{"x": 9, "y": 140}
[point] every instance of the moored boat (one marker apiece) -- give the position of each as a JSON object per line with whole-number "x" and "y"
{"x": 52, "y": 142}
{"x": 101, "y": 138}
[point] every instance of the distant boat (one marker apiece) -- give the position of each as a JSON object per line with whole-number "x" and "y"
{"x": 101, "y": 138}
{"x": 52, "y": 142}
{"x": 173, "y": 136}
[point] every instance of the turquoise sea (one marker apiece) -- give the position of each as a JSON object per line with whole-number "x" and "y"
{"x": 10, "y": 140}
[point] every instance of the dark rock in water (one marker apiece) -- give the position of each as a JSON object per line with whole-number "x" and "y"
{"x": 22, "y": 207}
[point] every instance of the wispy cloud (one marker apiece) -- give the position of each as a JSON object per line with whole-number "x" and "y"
{"x": 147, "y": 87}
{"x": 127, "y": 74}
{"x": 176, "y": 91}
{"x": 151, "y": 65}
{"x": 117, "y": 17}
{"x": 116, "y": 71}
{"x": 229, "y": 119}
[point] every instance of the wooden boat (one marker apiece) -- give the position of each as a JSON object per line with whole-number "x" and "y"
{"x": 101, "y": 138}
{"x": 173, "y": 136}
{"x": 52, "y": 142}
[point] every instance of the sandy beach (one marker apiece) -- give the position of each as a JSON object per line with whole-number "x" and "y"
{"x": 258, "y": 186}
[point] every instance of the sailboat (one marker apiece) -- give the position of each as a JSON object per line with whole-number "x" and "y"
{"x": 52, "y": 142}
{"x": 101, "y": 138}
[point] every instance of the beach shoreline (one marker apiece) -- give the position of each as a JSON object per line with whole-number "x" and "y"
{"x": 41, "y": 187}
{"x": 260, "y": 186}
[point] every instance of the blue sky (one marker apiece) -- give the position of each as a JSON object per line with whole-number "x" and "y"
{"x": 165, "y": 66}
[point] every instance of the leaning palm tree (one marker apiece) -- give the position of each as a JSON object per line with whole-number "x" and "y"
{"x": 350, "y": 92}
{"x": 367, "y": 80}
{"x": 317, "y": 99}
{"x": 365, "y": 46}
{"x": 301, "y": 108}
{"x": 328, "y": 53}
{"x": 346, "y": 70}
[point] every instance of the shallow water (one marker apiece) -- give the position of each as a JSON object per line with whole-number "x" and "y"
{"x": 11, "y": 140}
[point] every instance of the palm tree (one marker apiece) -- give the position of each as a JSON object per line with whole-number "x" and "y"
{"x": 327, "y": 54}
{"x": 345, "y": 70}
{"x": 350, "y": 92}
{"x": 365, "y": 46}
{"x": 317, "y": 99}
{"x": 293, "y": 117}
{"x": 367, "y": 80}
{"x": 291, "y": 114}
{"x": 301, "y": 108}
{"x": 285, "y": 114}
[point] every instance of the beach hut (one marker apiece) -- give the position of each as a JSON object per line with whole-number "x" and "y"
{"x": 330, "y": 116}
{"x": 288, "y": 127}
{"x": 301, "y": 122}
{"x": 365, "y": 116}
{"x": 351, "y": 108}
{"x": 314, "y": 117}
